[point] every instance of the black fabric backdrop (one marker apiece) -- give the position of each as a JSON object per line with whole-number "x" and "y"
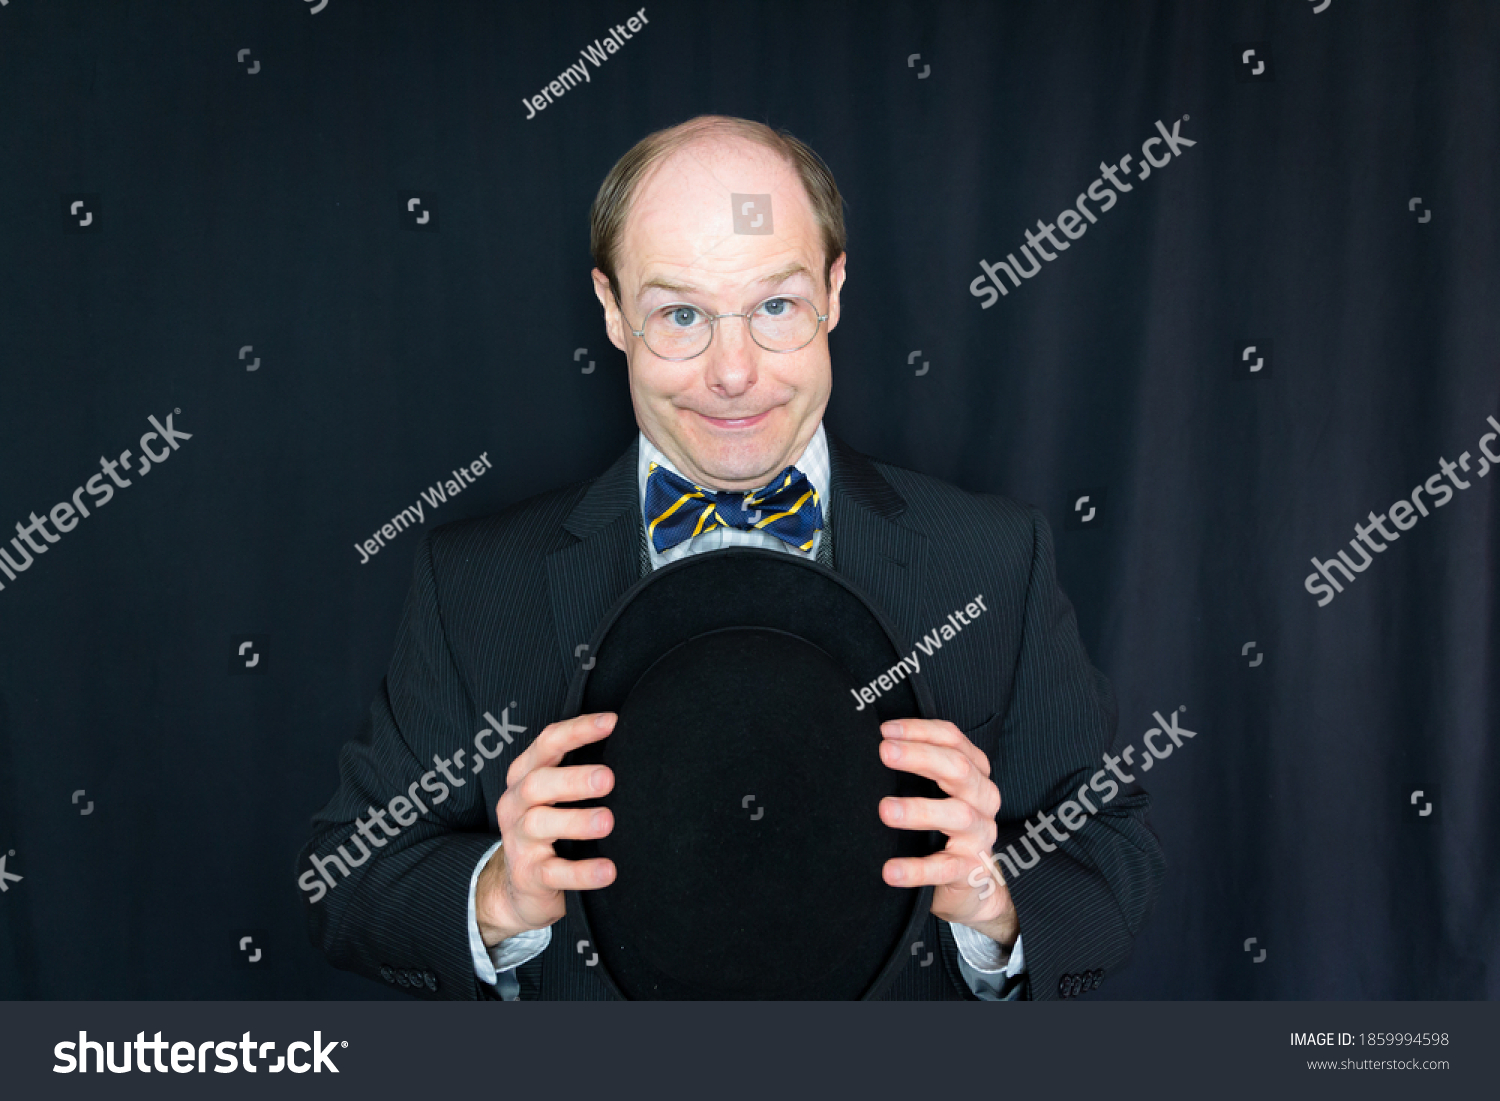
{"x": 1338, "y": 211}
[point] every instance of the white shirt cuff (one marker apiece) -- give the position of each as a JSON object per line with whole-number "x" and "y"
{"x": 988, "y": 956}
{"x": 508, "y": 954}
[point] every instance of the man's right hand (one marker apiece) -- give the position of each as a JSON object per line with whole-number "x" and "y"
{"x": 521, "y": 888}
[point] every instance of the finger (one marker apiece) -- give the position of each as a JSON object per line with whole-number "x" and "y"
{"x": 952, "y": 769}
{"x": 919, "y": 871}
{"x": 950, "y": 816}
{"x": 545, "y": 825}
{"x": 576, "y": 875}
{"x": 936, "y": 732}
{"x": 564, "y": 785}
{"x": 559, "y": 739}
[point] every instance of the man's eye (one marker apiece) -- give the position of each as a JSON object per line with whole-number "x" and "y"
{"x": 682, "y": 316}
{"x": 775, "y": 307}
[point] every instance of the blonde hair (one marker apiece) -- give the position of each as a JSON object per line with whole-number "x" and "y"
{"x": 612, "y": 203}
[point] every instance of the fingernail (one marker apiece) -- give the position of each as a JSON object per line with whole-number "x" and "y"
{"x": 597, "y": 821}
{"x": 891, "y": 729}
{"x": 601, "y": 874}
{"x": 894, "y": 810}
{"x": 897, "y": 874}
{"x": 603, "y": 719}
{"x": 599, "y": 779}
{"x": 891, "y": 750}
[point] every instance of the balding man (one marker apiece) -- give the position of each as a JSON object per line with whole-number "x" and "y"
{"x": 719, "y": 253}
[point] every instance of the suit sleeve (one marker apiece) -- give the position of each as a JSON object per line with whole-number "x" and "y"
{"x": 1081, "y": 905}
{"x": 400, "y": 914}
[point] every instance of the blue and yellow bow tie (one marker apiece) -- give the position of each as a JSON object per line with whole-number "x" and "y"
{"x": 677, "y": 510}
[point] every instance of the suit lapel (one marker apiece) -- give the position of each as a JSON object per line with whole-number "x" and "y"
{"x": 586, "y": 578}
{"x": 884, "y": 559}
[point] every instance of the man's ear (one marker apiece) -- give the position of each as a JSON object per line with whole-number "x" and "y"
{"x": 835, "y": 284}
{"x": 614, "y": 323}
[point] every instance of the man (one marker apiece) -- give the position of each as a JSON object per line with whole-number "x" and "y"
{"x": 725, "y": 330}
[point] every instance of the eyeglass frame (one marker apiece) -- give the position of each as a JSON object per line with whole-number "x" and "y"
{"x": 713, "y": 327}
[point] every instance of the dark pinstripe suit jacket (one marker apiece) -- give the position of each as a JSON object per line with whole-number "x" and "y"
{"x": 498, "y": 605}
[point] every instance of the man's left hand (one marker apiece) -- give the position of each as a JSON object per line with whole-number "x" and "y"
{"x": 939, "y": 751}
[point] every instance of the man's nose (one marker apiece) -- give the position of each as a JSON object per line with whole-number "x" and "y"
{"x": 731, "y": 358}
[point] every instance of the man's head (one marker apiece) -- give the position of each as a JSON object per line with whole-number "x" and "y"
{"x": 663, "y": 233}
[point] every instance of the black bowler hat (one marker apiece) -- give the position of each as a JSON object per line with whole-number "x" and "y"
{"x": 747, "y": 841}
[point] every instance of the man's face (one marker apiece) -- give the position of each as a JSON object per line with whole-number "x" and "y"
{"x": 734, "y": 416}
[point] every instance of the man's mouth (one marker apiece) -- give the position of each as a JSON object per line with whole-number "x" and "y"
{"x": 736, "y": 422}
